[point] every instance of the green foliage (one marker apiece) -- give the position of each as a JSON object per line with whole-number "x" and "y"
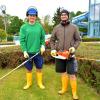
{"x": 82, "y": 29}
{"x": 89, "y": 50}
{"x": 13, "y": 56}
{"x": 1, "y": 23}
{"x": 10, "y": 59}
{"x": 3, "y": 34}
{"x": 90, "y": 72}
{"x": 10, "y": 56}
{"x": 78, "y": 13}
{"x": 86, "y": 39}
{"x": 56, "y": 18}
{"x": 7, "y": 19}
{"x": 96, "y": 81}
{"x": 9, "y": 49}
{"x": 9, "y": 38}
{"x": 47, "y": 57}
{"x": 72, "y": 14}
{"x": 15, "y": 25}
{"x": 46, "y": 24}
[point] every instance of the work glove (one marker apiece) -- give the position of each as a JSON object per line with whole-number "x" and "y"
{"x": 42, "y": 49}
{"x": 72, "y": 50}
{"x": 53, "y": 53}
{"x": 26, "y": 54}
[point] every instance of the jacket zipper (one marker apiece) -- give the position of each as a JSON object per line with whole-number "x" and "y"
{"x": 64, "y": 39}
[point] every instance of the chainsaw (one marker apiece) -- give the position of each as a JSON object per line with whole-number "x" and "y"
{"x": 62, "y": 54}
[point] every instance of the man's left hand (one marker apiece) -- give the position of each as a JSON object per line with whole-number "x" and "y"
{"x": 72, "y": 50}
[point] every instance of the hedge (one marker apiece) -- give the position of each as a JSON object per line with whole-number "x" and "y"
{"x": 85, "y": 39}
{"x": 9, "y": 38}
{"x": 12, "y": 57}
{"x": 90, "y": 72}
{"x": 11, "y": 60}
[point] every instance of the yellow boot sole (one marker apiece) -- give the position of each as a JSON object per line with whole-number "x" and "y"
{"x": 41, "y": 86}
{"x": 75, "y": 97}
{"x": 61, "y": 92}
{"x": 26, "y": 87}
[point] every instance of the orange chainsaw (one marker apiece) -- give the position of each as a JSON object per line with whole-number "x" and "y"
{"x": 63, "y": 54}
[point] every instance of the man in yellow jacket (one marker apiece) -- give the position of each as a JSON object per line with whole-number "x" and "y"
{"x": 32, "y": 41}
{"x": 65, "y": 37}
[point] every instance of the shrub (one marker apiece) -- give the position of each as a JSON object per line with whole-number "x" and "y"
{"x": 11, "y": 59}
{"x": 90, "y": 39}
{"x": 47, "y": 57}
{"x": 90, "y": 72}
{"x": 9, "y": 38}
{"x": 3, "y": 35}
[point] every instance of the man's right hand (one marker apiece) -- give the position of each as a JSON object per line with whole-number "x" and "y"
{"x": 26, "y": 54}
{"x": 53, "y": 53}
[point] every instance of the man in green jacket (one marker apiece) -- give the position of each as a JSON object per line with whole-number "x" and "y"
{"x": 65, "y": 37}
{"x": 32, "y": 41}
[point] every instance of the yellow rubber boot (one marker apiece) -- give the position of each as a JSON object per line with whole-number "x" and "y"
{"x": 39, "y": 80}
{"x": 64, "y": 81}
{"x": 74, "y": 89}
{"x": 29, "y": 80}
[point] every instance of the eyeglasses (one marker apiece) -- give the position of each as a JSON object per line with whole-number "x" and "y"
{"x": 63, "y": 14}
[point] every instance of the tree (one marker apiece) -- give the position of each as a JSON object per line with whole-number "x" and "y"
{"x": 78, "y": 13}
{"x": 3, "y": 35}
{"x": 7, "y": 19}
{"x": 15, "y": 24}
{"x": 46, "y": 24}
{"x": 1, "y": 23}
{"x": 56, "y": 18}
{"x": 72, "y": 14}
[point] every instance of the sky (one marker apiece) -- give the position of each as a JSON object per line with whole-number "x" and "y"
{"x": 44, "y": 7}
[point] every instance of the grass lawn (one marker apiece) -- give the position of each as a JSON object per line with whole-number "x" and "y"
{"x": 89, "y": 50}
{"x": 11, "y": 87}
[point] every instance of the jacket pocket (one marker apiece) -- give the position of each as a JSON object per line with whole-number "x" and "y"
{"x": 72, "y": 43}
{"x": 57, "y": 45}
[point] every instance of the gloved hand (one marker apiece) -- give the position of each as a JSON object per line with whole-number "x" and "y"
{"x": 72, "y": 50}
{"x": 42, "y": 49}
{"x": 26, "y": 54}
{"x": 53, "y": 53}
